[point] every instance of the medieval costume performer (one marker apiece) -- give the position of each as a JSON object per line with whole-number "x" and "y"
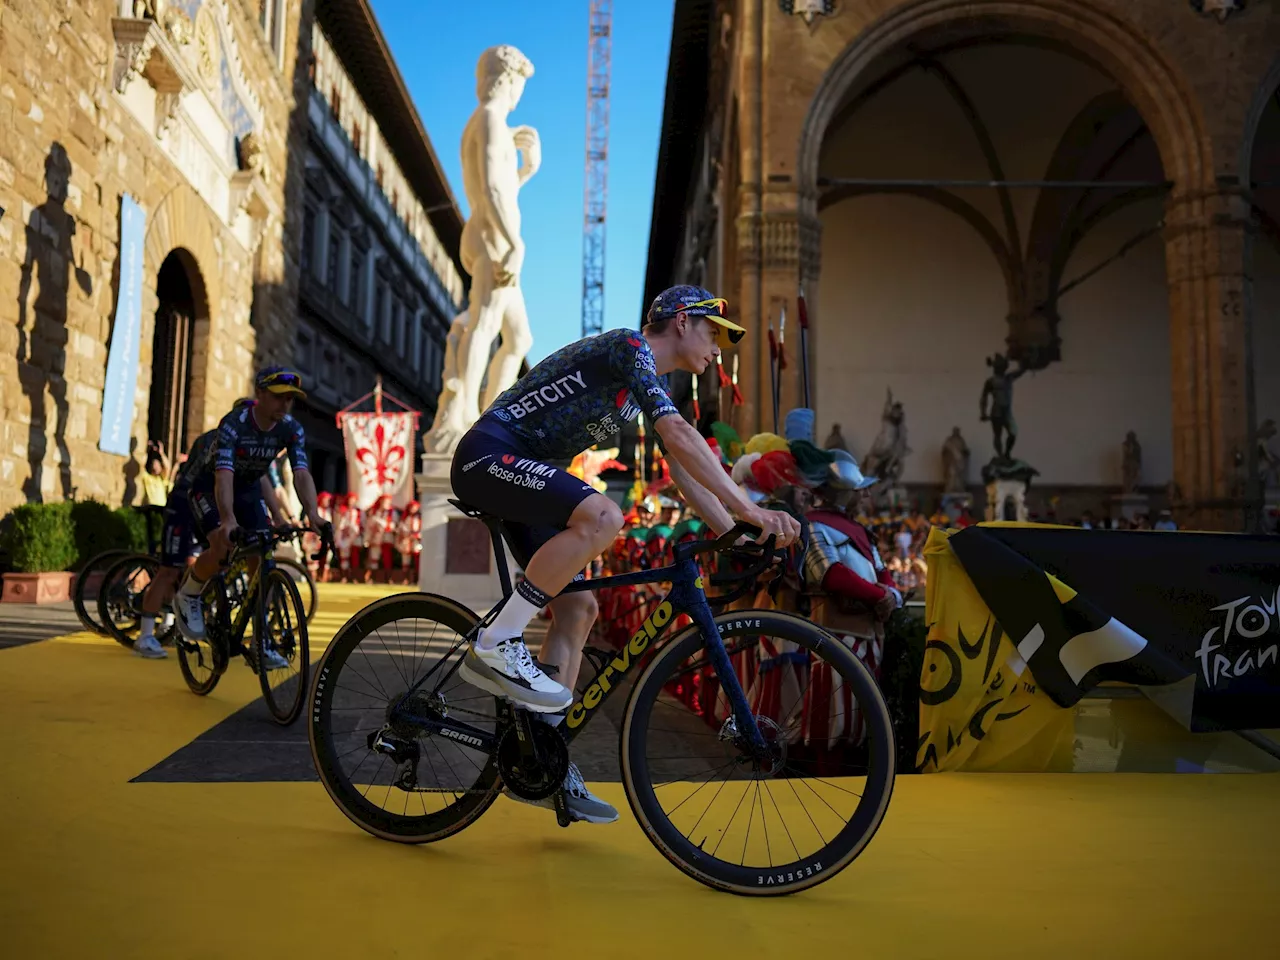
{"x": 347, "y": 535}
{"x": 409, "y": 540}
{"x": 852, "y": 595}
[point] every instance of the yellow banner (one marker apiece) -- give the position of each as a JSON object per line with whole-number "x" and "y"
{"x": 980, "y": 709}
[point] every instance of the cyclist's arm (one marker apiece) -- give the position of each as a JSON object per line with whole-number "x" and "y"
{"x": 273, "y": 503}
{"x": 684, "y": 444}
{"x": 704, "y": 502}
{"x": 305, "y": 487}
{"x": 224, "y": 495}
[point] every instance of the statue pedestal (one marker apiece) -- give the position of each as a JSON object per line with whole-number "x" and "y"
{"x": 457, "y": 555}
{"x": 1007, "y": 500}
{"x": 1007, "y": 482}
{"x": 954, "y": 503}
{"x": 1130, "y": 506}
{"x": 895, "y": 498}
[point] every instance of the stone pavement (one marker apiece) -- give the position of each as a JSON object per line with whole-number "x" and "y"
{"x": 26, "y": 622}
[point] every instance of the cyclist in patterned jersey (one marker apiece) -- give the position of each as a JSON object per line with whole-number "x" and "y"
{"x": 226, "y": 490}
{"x": 556, "y": 524}
{"x": 177, "y": 540}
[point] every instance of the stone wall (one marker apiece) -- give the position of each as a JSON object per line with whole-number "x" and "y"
{"x": 60, "y": 113}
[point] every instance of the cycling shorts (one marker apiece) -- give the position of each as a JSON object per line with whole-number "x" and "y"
{"x": 251, "y": 511}
{"x": 177, "y": 538}
{"x": 534, "y": 499}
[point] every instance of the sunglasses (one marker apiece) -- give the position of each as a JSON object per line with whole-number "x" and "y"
{"x": 720, "y": 303}
{"x": 282, "y": 378}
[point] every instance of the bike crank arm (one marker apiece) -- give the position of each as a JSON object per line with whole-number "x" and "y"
{"x": 455, "y": 730}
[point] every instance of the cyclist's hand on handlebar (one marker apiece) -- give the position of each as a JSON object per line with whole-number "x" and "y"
{"x": 774, "y": 523}
{"x": 227, "y": 531}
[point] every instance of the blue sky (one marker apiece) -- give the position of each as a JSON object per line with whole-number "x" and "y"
{"x": 436, "y": 46}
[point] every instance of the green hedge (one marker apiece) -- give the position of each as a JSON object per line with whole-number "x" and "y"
{"x": 900, "y": 680}
{"x": 99, "y": 528}
{"x": 49, "y": 537}
{"x": 40, "y": 538}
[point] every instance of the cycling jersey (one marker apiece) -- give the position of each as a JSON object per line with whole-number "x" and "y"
{"x": 581, "y": 395}
{"x": 244, "y": 449}
{"x": 198, "y": 459}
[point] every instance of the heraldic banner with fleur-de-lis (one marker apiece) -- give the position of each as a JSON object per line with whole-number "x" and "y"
{"x": 379, "y": 450}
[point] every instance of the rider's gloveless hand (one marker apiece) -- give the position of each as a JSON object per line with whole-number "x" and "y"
{"x": 774, "y": 523}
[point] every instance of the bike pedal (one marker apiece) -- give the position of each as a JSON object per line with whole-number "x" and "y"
{"x": 562, "y": 810}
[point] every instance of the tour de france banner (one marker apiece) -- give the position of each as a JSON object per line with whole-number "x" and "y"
{"x": 379, "y": 450}
{"x": 1025, "y": 619}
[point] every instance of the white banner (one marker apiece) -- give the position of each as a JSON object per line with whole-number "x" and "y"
{"x": 379, "y": 456}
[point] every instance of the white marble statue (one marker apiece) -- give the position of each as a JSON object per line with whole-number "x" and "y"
{"x": 492, "y": 251}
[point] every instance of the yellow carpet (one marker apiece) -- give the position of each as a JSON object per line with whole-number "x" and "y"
{"x": 965, "y": 865}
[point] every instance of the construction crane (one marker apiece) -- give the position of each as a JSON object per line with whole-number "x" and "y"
{"x": 596, "y": 181}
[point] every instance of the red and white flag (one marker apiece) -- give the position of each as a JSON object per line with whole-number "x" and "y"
{"x": 379, "y": 450}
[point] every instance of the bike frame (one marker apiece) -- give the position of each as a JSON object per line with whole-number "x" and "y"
{"x": 249, "y": 608}
{"x": 686, "y": 596}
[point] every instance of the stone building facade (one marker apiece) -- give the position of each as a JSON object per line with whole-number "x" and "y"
{"x": 187, "y": 107}
{"x": 379, "y": 278}
{"x": 796, "y": 151}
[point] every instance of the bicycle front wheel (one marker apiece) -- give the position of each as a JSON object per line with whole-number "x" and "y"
{"x": 304, "y": 582}
{"x": 89, "y": 587}
{"x": 281, "y": 629}
{"x": 741, "y": 822}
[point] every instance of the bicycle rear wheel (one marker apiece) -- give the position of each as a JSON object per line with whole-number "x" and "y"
{"x": 120, "y": 597}
{"x": 304, "y": 582}
{"x": 376, "y": 656}
{"x": 89, "y": 587}
{"x": 281, "y": 626}
{"x": 823, "y": 784}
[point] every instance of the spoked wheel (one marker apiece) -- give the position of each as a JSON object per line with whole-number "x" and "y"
{"x": 89, "y": 587}
{"x": 203, "y": 662}
{"x": 120, "y": 597}
{"x": 759, "y": 824}
{"x": 281, "y": 628}
{"x": 302, "y": 580}
{"x": 429, "y": 787}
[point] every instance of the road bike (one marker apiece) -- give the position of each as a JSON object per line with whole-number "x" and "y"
{"x": 127, "y": 576}
{"x": 262, "y": 596}
{"x": 91, "y": 577}
{"x": 393, "y": 728}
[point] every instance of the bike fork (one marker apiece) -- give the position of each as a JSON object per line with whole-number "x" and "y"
{"x": 713, "y": 643}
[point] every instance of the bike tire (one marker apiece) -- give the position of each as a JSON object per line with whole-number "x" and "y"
{"x": 284, "y": 700}
{"x": 691, "y": 858}
{"x": 195, "y": 657}
{"x": 327, "y": 751}
{"x": 301, "y": 576}
{"x": 117, "y": 606}
{"x": 87, "y": 610}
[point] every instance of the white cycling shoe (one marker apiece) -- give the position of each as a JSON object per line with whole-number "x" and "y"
{"x": 507, "y": 670}
{"x": 188, "y": 614}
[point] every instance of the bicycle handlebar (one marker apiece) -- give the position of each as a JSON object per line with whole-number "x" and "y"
{"x": 758, "y": 555}
{"x": 264, "y": 540}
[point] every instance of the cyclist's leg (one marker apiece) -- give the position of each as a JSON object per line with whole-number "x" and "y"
{"x": 572, "y": 613}
{"x": 175, "y": 548}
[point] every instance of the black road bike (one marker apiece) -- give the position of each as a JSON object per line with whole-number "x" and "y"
{"x": 261, "y": 596}
{"x": 91, "y": 578}
{"x": 744, "y": 799}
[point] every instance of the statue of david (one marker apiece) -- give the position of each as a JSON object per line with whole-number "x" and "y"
{"x": 492, "y": 251}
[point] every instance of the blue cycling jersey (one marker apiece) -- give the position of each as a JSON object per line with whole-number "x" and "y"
{"x": 246, "y": 450}
{"x": 582, "y": 394}
{"x": 198, "y": 459}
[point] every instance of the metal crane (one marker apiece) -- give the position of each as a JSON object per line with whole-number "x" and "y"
{"x": 596, "y": 180}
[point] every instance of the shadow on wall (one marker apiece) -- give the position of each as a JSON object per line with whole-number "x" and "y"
{"x": 42, "y": 320}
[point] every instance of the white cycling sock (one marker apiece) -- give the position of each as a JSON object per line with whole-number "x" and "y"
{"x": 192, "y": 587}
{"x": 521, "y": 607}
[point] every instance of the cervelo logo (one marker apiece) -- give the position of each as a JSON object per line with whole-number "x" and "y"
{"x": 546, "y": 395}
{"x": 620, "y": 664}
{"x": 475, "y": 463}
{"x": 526, "y": 473}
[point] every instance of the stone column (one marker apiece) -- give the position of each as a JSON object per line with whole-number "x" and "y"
{"x": 1207, "y": 238}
